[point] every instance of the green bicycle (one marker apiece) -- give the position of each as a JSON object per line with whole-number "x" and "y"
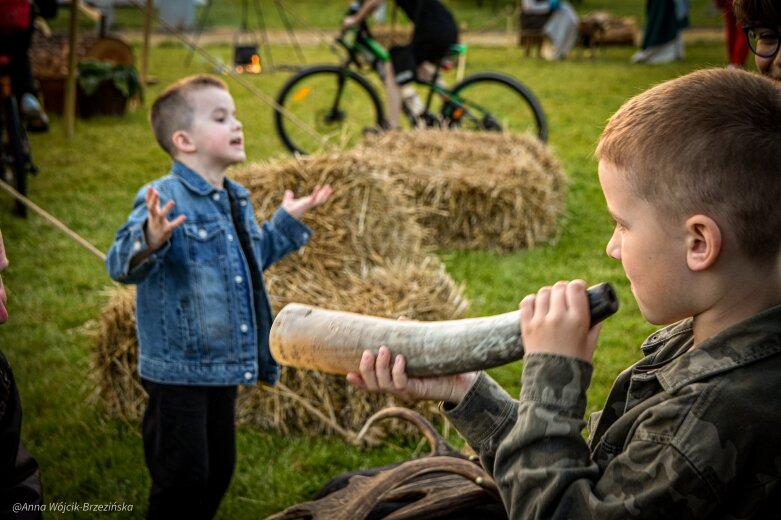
{"x": 326, "y": 104}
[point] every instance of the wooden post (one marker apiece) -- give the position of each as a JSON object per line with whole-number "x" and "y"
{"x": 69, "y": 106}
{"x": 145, "y": 49}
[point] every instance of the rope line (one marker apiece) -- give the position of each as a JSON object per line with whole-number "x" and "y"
{"x": 53, "y": 221}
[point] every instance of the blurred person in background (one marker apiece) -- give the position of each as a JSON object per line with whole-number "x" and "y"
{"x": 560, "y": 26}
{"x": 20, "y": 476}
{"x": 17, "y": 24}
{"x": 737, "y": 43}
{"x": 435, "y": 30}
{"x": 662, "y": 39}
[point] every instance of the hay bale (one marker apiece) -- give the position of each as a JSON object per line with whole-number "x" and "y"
{"x": 483, "y": 190}
{"x": 367, "y": 222}
{"x": 305, "y": 401}
{"x": 115, "y": 356}
{"x": 419, "y": 291}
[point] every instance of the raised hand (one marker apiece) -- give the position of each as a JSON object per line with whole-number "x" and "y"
{"x": 158, "y": 228}
{"x": 297, "y": 207}
{"x": 378, "y": 375}
{"x": 556, "y": 320}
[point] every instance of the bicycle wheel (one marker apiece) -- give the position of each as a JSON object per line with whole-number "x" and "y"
{"x": 326, "y": 105}
{"x": 14, "y": 151}
{"x": 495, "y": 102}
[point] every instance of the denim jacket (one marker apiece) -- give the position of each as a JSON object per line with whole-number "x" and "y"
{"x": 684, "y": 433}
{"x": 198, "y": 318}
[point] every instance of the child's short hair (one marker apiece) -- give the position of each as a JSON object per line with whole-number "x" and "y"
{"x": 171, "y": 111}
{"x": 708, "y": 142}
{"x": 751, "y": 12}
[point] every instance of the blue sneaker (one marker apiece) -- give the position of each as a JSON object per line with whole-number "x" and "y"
{"x": 33, "y": 114}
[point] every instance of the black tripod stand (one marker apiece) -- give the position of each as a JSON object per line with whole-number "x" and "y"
{"x": 242, "y": 52}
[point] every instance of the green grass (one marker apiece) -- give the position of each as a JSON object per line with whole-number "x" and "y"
{"x": 54, "y": 287}
{"x": 309, "y": 14}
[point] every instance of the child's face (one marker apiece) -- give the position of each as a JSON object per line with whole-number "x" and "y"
{"x": 652, "y": 250}
{"x": 770, "y": 67}
{"x": 215, "y": 131}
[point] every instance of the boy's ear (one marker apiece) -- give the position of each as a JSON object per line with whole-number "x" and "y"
{"x": 703, "y": 242}
{"x": 182, "y": 141}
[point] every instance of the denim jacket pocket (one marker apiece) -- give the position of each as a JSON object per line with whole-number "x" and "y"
{"x": 205, "y": 241}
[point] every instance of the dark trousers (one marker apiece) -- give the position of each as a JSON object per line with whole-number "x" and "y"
{"x": 190, "y": 448}
{"x": 16, "y": 47}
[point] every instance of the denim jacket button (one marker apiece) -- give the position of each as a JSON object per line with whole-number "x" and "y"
{"x": 238, "y": 279}
{"x": 202, "y": 233}
{"x": 305, "y": 236}
{"x": 216, "y": 196}
{"x": 243, "y": 202}
{"x": 244, "y": 327}
{"x": 137, "y": 245}
{"x": 247, "y": 375}
{"x": 230, "y": 238}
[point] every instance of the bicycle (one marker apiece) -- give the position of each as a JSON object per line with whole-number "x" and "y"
{"x": 15, "y": 151}
{"x": 325, "y": 103}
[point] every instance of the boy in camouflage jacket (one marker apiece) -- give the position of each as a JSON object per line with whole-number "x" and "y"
{"x": 689, "y": 170}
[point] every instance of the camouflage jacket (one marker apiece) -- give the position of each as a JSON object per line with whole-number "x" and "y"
{"x": 684, "y": 433}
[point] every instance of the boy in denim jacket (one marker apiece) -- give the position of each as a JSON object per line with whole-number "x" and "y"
{"x": 196, "y": 254}
{"x": 690, "y": 173}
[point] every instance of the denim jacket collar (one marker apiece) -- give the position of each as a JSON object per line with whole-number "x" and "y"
{"x": 197, "y": 184}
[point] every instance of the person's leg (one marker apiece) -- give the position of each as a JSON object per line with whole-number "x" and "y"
{"x": 16, "y": 46}
{"x": 400, "y": 70}
{"x": 393, "y": 93}
{"x": 176, "y": 450}
{"x": 221, "y": 429}
{"x": 22, "y": 81}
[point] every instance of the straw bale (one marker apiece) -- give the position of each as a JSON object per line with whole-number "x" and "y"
{"x": 115, "y": 356}
{"x": 485, "y": 190}
{"x": 419, "y": 291}
{"x": 304, "y": 400}
{"x": 367, "y": 222}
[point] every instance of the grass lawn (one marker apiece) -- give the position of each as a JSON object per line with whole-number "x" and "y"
{"x": 55, "y": 287}
{"x": 308, "y": 14}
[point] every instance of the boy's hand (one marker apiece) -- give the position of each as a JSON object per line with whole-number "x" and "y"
{"x": 556, "y": 320}
{"x": 158, "y": 228}
{"x": 297, "y": 207}
{"x": 378, "y": 375}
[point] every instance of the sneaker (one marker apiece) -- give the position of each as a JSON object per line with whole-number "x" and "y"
{"x": 33, "y": 114}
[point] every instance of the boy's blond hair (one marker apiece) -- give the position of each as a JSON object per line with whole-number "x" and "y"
{"x": 172, "y": 111}
{"x": 710, "y": 143}
{"x": 749, "y": 12}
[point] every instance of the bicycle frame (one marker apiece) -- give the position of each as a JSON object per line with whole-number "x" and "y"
{"x": 363, "y": 44}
